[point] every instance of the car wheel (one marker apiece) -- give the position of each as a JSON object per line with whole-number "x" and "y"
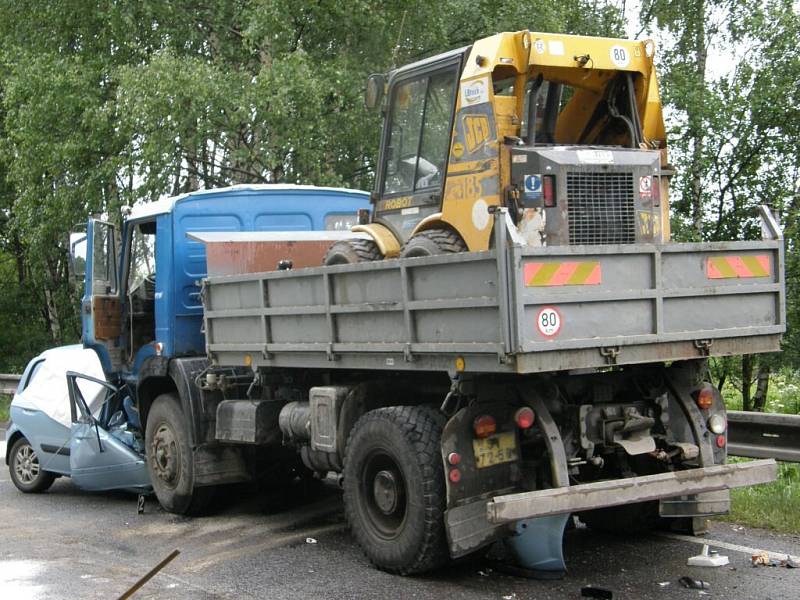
{"x": 169, "y": 459}
{"x": 394, "y": 490}
{"x": 26, "y": 470}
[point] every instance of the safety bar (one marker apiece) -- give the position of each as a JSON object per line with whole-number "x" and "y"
{"x": 599, "y": 494}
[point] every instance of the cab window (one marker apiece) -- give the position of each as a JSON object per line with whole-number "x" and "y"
{"x": 419, "y": 136}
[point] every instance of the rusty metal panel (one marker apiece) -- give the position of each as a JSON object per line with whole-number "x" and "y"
{"x": 237, "y": 253}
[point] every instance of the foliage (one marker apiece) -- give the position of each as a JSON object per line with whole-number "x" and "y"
{"x": 729, "y": 80}
{"x": 130, "y": 102}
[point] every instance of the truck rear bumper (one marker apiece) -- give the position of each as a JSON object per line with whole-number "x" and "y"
{"x": 587, "y": 496}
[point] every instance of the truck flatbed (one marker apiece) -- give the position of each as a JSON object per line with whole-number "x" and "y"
{"x": 613, "y": 304}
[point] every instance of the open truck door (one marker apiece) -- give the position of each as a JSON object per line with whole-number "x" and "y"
{"x": 93, "y": 255}
{"x": 103, "y": 449}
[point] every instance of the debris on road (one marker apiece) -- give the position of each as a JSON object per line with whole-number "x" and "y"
{"x": 763, "y": 559}
{"x": 707, "y": 558}
{"x": 694, "y": 584}
{"x": 310, "y": 540}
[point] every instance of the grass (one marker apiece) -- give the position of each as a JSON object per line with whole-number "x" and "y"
{"x": 773, "y": 505}
{"x": 5, "y": 402}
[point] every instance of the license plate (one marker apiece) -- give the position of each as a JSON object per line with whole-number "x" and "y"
{"x": 494, "y": 450}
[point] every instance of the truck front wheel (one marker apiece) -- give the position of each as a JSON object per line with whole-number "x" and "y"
{"x": 394, "y": 490}
{"x": 169, "y": 458}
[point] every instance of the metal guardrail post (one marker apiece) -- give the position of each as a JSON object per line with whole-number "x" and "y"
{"x": 9, "y": 383}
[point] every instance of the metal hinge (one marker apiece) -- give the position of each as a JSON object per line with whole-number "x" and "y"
{"x": 704, "y": 346}
{"x": 610, "y": 353}
{"x": 407, "y": 355}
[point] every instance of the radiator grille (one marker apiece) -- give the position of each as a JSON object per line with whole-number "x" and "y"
{"x": 601, "y": 208}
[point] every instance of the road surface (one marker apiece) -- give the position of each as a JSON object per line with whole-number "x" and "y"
{"x": 72, "y": 544}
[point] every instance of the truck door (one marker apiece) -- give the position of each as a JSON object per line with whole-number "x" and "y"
{"x": 100, "y": 305}
{"x": 100, "y": 459}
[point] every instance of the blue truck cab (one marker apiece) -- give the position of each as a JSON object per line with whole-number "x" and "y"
{"x": 142, "y": 315}
{"x": 144, "y": 300}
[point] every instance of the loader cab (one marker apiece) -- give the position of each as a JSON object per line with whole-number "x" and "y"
{"x": 419, "y": 110}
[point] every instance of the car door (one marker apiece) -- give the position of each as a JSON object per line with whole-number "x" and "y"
{"x": 99, "y": 460}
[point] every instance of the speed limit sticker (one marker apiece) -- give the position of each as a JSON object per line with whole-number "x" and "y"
{"x": 619, "y": 56}
{"x": 548, "y": 321}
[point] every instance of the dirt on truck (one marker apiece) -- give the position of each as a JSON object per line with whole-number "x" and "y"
{"x": 538, "y": 349}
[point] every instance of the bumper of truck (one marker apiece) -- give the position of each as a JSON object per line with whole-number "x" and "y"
{"x": 587, "y": 496}
{"x": 686, "y": 493}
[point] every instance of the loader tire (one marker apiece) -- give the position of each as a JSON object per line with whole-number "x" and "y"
{"x": 169, "y": 459}
{"x": 26, "y": 469}
{"x": 433, "y": 242}
{"x": 352, "y": 251}
{"x": 394, "y": 489}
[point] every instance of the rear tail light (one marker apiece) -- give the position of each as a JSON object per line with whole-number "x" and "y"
{"x": 524, "y": 417}
{"x": 454, "y": 475}
{"x": 454, "y": 458}
{"x": 549, "y": 190}
{"x": 705, "y": 397}
{"x": 484, "y": 426}
{"x": 720, "y": 441}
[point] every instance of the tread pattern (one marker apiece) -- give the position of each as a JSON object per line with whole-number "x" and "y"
{"x": 422, "y": 428}
{"x": 434, "y": 241}
{"x": 352, "y": 251}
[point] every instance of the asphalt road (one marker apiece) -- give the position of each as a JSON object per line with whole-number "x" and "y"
{"x": 71, "y": 544}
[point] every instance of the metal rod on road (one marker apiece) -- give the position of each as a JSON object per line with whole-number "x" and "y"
{"x": 149, "y": 575}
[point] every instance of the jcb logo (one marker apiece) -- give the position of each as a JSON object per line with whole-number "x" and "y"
{"x": 476, "y": 131}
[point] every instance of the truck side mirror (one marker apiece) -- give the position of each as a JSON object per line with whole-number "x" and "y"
{"x": 376, "y": 86}
{"x": 77, "y": 255}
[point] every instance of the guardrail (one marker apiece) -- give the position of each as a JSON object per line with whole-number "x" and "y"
{"x": 764, "y": 435}
{"x": 9, "y": 383}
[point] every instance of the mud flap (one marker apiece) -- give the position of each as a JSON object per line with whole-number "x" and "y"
{"x": 537, "y": 544}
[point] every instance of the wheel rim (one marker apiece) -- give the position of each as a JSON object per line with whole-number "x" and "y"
{"x": 166, "y": 455}
{"x": 26, "y": 464}
{"x": 383, "y": 490}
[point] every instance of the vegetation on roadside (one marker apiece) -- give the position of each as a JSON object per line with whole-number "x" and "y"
{"x": 5, "y": 403}
{"x": 773, "y": 505}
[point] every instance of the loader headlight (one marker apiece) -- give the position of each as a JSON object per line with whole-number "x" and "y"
{"x": 717, "y": 424}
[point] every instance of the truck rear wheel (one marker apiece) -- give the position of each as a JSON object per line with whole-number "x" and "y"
{"x": 26, "y": 470}
{"x": 349, "y": 252}
{"x": 433, "y": 242}
{"x": 169, "y": 459}
{"x": 394, "y": 490}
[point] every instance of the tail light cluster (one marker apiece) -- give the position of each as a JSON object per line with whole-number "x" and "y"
{"x": 717, "y": 423}
{"x": 485, "y": 426}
